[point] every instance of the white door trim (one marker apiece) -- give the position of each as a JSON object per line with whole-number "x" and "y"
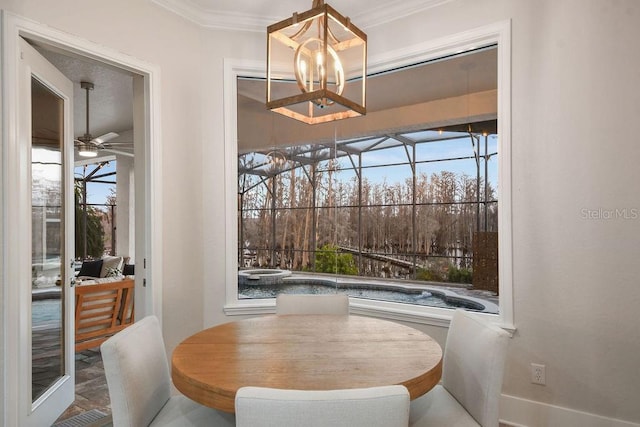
{"x": 148, "y": 302}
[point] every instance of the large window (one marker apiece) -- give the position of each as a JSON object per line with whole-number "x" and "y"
{"x": 407, "y": 209}
{"x": 418, "y": 209}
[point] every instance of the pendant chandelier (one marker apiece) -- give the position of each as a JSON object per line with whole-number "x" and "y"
{"x": 316, "y": 66}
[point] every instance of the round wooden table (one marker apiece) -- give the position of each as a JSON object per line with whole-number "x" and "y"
{"x": 303, "y": 352}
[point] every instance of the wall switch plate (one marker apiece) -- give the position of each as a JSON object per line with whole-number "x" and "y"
{"x": 538, "y": 374}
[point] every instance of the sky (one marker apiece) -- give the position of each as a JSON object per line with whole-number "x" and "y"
{"x": 96, "y": 192}
{"x": 425, "y": 152}
{"x": 397, "y": 172}
{"x": 47, "y": 167}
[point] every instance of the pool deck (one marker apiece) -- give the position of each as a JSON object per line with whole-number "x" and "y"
{"x": 460, "y": 289}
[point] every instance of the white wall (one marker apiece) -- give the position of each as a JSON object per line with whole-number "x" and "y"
{"x": 575, "y": 99}
{"x": 125, "y": 210}
{"x": 575, "y": 103}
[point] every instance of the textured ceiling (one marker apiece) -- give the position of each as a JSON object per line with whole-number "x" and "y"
{"x": 111, "y": 100}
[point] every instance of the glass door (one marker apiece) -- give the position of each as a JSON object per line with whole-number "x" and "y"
{"x": 47, "y": 250}
{"x": 46, "y": 134}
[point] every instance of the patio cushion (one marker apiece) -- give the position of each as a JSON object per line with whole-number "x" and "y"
{"x": 110, "y": 264}
{"x": 91, "y": 268}
{"x": 128, "y": 270}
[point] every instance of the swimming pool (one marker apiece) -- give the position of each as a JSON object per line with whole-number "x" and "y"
{"x": 46, "y": 312}
{"x": 407, "y": 294}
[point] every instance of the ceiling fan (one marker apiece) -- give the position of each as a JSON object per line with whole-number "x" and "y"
{"x": 88, "y": 146}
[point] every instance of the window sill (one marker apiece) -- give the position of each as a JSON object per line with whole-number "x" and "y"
{"x": 381, "y": 309}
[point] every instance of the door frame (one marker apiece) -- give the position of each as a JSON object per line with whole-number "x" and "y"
{"x": 148, "y": 296}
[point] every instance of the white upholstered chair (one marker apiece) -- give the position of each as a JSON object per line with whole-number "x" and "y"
{"x": 386, "y": 406}
{"x": 473, "y": 368}
{"x": 312, "y": 304}
{"x": 137, "y": 371}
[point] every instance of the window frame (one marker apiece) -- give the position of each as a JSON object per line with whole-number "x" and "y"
{"x": 499, "y": 34}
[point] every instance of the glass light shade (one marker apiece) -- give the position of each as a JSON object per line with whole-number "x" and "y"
{"x": 87, "y": 150}
{"x": 316, "y": 66}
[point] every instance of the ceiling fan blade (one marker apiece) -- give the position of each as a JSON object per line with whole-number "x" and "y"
{"x": 104, "y": 138}
{"x": 123, "y": 153}
{"x": 120, "y": 143}
{"x": 81, "y": 143}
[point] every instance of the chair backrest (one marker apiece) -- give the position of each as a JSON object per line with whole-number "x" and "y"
{"x": 365, "y": 407}
{"x": 473, "y": 365}
{"x": 137, "y": 371}
{"x": 312, "y": 304}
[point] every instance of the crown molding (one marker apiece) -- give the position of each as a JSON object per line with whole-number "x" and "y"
{"x": 393, "y": 11}
{"x": 228, "y": 20}
{"x": 217, "y": 19}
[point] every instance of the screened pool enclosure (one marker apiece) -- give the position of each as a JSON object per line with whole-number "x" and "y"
{"x": 418, "y": 205}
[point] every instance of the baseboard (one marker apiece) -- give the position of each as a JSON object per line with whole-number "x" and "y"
{"x": 519, "y": 412}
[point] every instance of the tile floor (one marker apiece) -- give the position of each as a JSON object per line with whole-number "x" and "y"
{"x": 91, "y": 384}
{"x": 91, "y": 387}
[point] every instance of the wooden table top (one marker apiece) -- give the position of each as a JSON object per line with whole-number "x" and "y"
{"x": 303, "y": 352}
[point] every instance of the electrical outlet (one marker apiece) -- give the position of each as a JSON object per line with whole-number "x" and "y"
{"x": 538, "y": 374}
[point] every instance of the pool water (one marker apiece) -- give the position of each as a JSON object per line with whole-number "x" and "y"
{"x": 416, "y": 297}
{"x": 46, "y": 312}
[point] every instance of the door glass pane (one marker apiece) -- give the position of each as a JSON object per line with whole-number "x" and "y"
{"x": 47, "y": 299}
